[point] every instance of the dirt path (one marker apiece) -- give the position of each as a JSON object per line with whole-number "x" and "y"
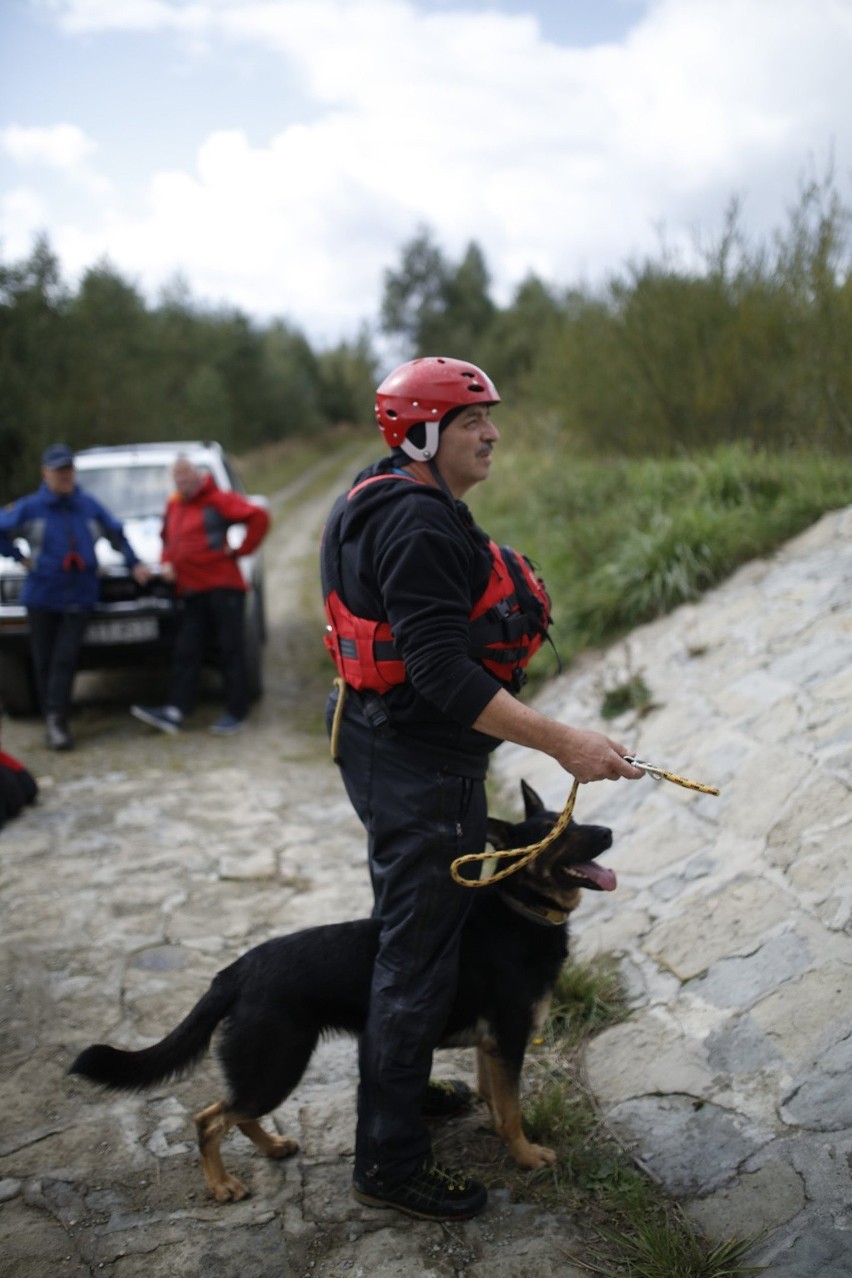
{"x": 148, "y": 864}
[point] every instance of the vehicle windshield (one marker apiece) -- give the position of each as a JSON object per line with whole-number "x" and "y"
{"x": 130, "y": 492}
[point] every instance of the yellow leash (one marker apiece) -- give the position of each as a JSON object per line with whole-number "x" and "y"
{"x": 487, "y": 875}
{"x": 660, "y": 774}
{"x": 340, "y": 685}
{"x": 526, "y": 855}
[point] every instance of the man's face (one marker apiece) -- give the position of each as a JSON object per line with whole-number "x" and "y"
{"x": 186, "y": 478}
{"x": 60, "y": 480}
{"x": 464, "y": 453}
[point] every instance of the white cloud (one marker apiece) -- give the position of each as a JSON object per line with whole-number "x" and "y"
{"x": 61, "y": 146}
{"x": 562, "y": 160}
{"x": 86, "y": 16}
{"x": 22, "y": 214}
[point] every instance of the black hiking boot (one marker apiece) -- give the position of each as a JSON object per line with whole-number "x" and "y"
{"x": 445, "y": 1097}
{"x": 433, "y": 1192}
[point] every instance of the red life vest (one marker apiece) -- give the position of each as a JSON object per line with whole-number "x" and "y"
{"x": 508, "y": 623}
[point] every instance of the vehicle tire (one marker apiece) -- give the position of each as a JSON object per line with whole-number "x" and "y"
{"x": 253, "y": 643}
{"x": 261, "y": 608}
{"x": 17, "y": 685}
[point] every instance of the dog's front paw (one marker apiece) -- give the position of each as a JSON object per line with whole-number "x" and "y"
{"x": 229, "y": 1190}
{"x": 531, "y": 1157}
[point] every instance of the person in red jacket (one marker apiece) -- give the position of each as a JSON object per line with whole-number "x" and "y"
{"x": 199, "y": 560}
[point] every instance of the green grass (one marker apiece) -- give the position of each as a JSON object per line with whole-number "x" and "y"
{"x": 274, "y": 467}
{"x": 586, "y": 996}
{"x": 665, "y": 1246}
{"x": 622, "y": 542}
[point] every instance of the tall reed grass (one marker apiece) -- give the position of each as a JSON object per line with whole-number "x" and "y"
{"x": 620, "y": 542}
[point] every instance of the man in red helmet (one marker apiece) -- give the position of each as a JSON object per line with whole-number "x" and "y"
{"x": 430, "y": 626}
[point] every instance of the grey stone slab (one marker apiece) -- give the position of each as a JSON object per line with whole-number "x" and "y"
{"x": 739, "y": 982}
{"x": 669, "y": 1060}
{"x": 807, "y": 1016}
{"x": 752, "y": 1202}
{"x": 821, "y": 1099}
{"x": 740, "y": 1048}
{"x": 726, "y": 923}
{"x": 692, "y": 1146}
{"x": 818, "y": 1252}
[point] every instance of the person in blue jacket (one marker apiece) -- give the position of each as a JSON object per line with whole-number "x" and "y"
{"x": 61, "y": 522}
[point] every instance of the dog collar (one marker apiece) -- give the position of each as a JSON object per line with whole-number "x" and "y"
{"x": 536, "y": 913}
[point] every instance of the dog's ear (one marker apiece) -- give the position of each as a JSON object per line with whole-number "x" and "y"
{"x": 532, "y": 803}
{"x": 499, "y": 833}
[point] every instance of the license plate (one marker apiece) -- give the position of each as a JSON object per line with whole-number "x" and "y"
{"x": 123, "y": 630}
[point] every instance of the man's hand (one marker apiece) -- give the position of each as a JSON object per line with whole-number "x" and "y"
{"x": 587, "y": 755}
{"x": 591, "y": 756}
{"x": 167, "y": 572}
{"x": 141, "y": 574}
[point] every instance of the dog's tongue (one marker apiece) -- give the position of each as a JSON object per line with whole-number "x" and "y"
{"x": 600, "y": 875}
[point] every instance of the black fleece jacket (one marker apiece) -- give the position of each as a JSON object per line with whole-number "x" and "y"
{"x": 413, "y": 556}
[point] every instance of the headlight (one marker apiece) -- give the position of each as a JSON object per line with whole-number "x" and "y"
{"x": 10, "y": 589}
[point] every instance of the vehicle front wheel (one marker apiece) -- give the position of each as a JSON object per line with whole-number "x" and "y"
{"x": 253, "y": 643}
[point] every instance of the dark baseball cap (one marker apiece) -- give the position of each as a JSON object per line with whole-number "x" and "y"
{"x": 57, "y": 456}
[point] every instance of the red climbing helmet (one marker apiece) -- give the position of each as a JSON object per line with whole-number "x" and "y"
{"x": 423, "y": 390}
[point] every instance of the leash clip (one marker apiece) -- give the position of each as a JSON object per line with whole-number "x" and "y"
{"x": 663, "y": 774}
{"x": 651, "y": 769}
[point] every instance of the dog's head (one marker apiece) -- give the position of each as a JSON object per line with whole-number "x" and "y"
{"x": 567, "y": 865}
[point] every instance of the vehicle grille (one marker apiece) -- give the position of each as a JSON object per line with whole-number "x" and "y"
{"x": 126, "y": 590}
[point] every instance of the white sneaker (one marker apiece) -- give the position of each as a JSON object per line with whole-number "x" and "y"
{"x": 166, "y": 718}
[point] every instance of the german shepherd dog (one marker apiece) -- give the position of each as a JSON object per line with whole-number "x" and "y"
{"x": 279, "y": 998}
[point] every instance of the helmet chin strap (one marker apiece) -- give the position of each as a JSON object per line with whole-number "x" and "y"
{"x": 439, "y": 478}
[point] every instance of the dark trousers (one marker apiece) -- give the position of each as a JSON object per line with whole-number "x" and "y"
{"x": 211, "y": 616}
{"x": 55, "y": 642}
{"x": 418, "y": 818}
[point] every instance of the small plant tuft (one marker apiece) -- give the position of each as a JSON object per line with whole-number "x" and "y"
{"x": 633, "y": 694}
{"x": 586, "y": 997}
{"x": 667, "y": 1246}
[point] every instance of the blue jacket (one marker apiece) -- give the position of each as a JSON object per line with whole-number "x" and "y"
{"x": 61, "y": 531}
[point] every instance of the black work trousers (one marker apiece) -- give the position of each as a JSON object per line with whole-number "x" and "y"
{"x": 419, "y": 816}
{"x": 211, "y": 618}
{"x": 55, "y": 642}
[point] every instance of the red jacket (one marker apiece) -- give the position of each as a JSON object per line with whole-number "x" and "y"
{"x": 195, "y": 537}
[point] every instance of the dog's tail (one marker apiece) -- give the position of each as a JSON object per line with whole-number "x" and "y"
{"x": 173, "y": 1057}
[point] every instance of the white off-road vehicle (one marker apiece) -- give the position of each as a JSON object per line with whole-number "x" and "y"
{"x": 132, "y": 625}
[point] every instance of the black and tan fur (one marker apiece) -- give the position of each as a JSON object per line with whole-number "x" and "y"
{"x": 278, "y": 999}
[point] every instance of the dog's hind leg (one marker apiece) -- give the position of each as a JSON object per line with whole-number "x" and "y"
{"x": 213, "y": 1125}
{"x": 504, "y": 1079}
{"x": 271, "y": 1146}
{"x": 483, "y": 1075}
{"x": 263, "y": 1058}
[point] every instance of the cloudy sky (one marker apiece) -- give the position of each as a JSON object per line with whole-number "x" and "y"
{"x": 277, "y": 154}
